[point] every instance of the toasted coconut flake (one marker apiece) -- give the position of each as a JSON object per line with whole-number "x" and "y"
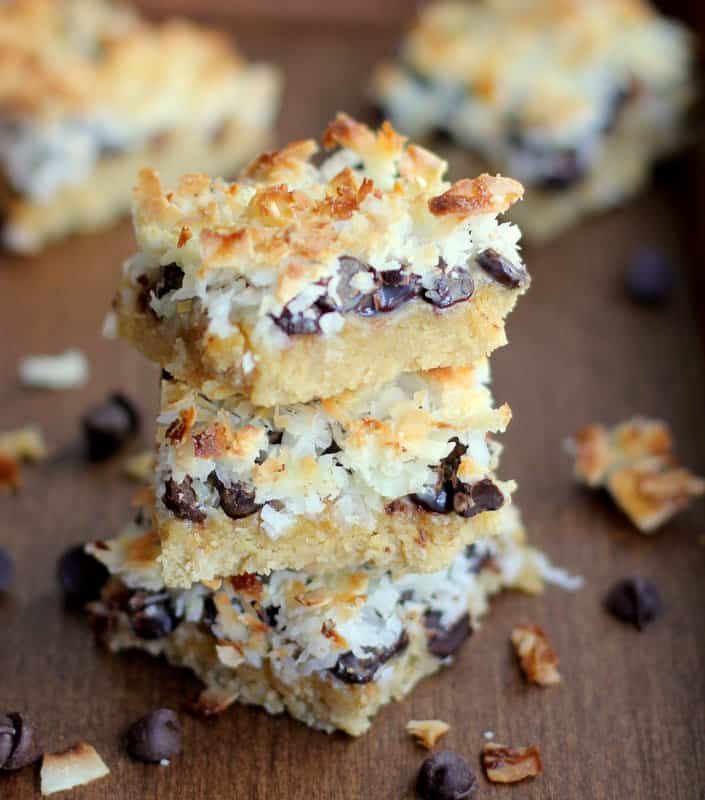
{"x": 427, "y": 732}
{"x": 67, "y": 370}
{"x": 229, "y": 654}
{"x": 213, "y": 701}
{"x": 316, "y": 598}
{"x": 504, "y": 764}
{"x": 24, "y": 444}
{"x": 214, "y": 585}
{"x": 67, "y": 769}
{"x": 538, "y": 660}
{"x": 140, "y": 467}
{"x": 634, "y": 461}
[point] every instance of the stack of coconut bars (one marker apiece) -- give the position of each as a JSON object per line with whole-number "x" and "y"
{"x": 327, "y": 524}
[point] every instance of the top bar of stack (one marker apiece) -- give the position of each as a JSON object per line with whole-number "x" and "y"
{"x": 302, "y": 281}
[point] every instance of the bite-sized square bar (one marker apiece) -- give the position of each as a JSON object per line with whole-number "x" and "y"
{"x": 399, "y": 475}
{"x": 329, "y": 649}
{"x": 301, "y": 281}
{"x": 635, "y": 462}
{"x": 573, "y": 98}
{"x": 90, "y": 93}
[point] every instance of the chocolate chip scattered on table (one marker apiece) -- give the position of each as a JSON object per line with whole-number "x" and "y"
{"x": 156, "y": 737}
{"x": 446, "y": 776}
{"x": 635, "y": 601}
{"x": 109, "y": 426}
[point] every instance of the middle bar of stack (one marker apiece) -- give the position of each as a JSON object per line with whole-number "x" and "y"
{"x": 324, "y": 333}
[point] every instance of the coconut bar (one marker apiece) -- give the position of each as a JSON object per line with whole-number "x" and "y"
{"x": 330, "y": 649}
{"x": 304, "y": 279}
{"x": 575, "y": 99}
{"x": 90, "y": 93}
{"x": 399, "y": 475}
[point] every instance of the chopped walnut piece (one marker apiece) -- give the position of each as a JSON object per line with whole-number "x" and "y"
{"x": 538, "y": 660}
{"x": 76, "y": 766}
{"x": 427, "y": 731}
{"x": 504, "y": 764}
{"x": 634, "y": 461}
{"x": 24, "y": 444}
{"x": 140, "y": 467}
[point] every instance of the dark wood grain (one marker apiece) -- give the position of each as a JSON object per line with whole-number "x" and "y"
{"x": 629, "y": 719}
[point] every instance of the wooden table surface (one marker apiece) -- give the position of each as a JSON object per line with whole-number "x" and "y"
{"x": 627, "y": 722}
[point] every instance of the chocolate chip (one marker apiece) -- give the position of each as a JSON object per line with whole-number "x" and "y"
{"x": 166, "y": 375}
{"x": 81, "y": 576}
{"x": 481, "y": 496}
{"x": 561, "y": 169}
{"x": 7, "y": 570}
{"x": 446, "y": 776}
{"x": 349, "y": 296}
{"x": 396, "y": 289}
{"x": 450, "y": 288}
{"x": 209, "y": 613}
{"x": 501, "y": 269}
{"x": 107, "y": 427}
{"x": 236, "y": 499}
{"x": 271, "y": 614}
{"x": 181, "y": 500}
{"x": 151, "y": 615}
{"x": 300, "y": 323}
{"x": 635, "y": 601}
{"x": 155, "y": 737}
{"x": 443, "y": 642}
{"x": 19, "y": 746}
{"x": 171, "y": 278}
{"x": 650, "y": 278}
{"x": 350, "y": 668}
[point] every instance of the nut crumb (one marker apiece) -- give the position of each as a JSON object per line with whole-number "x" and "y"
{"x": 504, "y": 764}
{"x": 77, "y": 766}
{"x": 427, "y": 732}
{"x": 140, "y": 467}
{"x": 537, "y": 659}
{"x": 635, "y": 462}
{"x": 24, "y": 444}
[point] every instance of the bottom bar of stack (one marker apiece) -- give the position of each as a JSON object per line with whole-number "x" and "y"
{"x": 329, "y": 649}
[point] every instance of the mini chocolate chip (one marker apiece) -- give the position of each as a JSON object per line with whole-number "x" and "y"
{"x": 501, "y": 269}
{"x": 151, "y": 615}
{"x": 650, "y": 278}
{"x": 446, "y": 776}
{"x": 171, "y": 278}
{"x": 236, "y": 499}
{"x": 181, "y": 500}
{"x": 450, "y": 288}
{"x": 634, "y": 600}
{"x": 24, "y": 748}
{"x": 299, "y": 323}
{"x": 81, "y": 576}
{"x": 166, "y": 375}
{"x": 7, "y": 570}
{"x": 350, "y": 668}
{"x": 443, "y": 642}
{"x": 107, "y": 427}
{"x": 275, "y": 437}
{"x": 155, "y": 737}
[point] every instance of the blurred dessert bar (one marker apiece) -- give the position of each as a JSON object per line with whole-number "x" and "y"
{"x": 635, "y": 463}
{"x": 398, "y": 476}
{"x": 330, "y": 648}
{"x": 573, "y": 98}
{"x": 90, "y": 93}
{"x": 301, "y": 281}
